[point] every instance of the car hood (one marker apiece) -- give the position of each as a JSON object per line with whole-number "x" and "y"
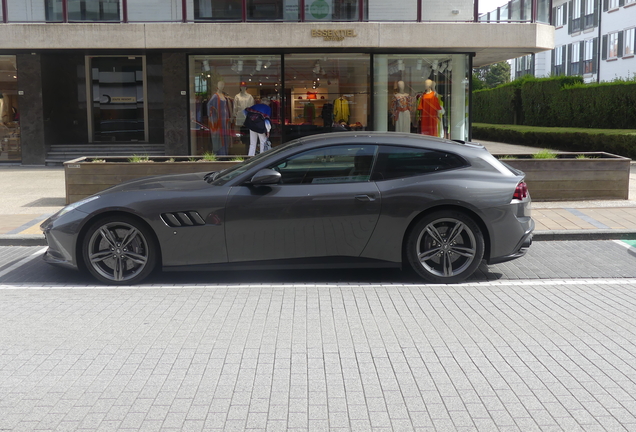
{"x": 174, "y": 182}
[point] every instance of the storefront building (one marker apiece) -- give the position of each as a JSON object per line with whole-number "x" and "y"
{"x": 88, "y": 77}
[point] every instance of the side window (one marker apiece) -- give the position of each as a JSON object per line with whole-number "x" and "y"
{"x": 333, "y": 164}
{"x": 400, "y": 162}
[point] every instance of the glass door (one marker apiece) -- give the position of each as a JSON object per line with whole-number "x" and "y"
{"x": 118, "y": 112}
{"x": 10, "y": 148}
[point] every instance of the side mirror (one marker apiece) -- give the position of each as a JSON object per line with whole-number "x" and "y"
{"x": 266, "y": 177}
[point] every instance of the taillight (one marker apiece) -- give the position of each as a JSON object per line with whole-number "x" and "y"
{"x": 521, "y": 191}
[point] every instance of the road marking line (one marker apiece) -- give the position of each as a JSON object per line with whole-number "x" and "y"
{"x": 485, "y": 284}
{"x": 23, "y": 261}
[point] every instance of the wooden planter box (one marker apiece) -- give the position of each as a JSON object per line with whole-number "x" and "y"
{"x": 84, "y": 178}
{"x": 601, "y": 176}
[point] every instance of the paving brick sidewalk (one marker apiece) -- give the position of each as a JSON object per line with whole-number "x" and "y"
{"x": 30, "y": 194}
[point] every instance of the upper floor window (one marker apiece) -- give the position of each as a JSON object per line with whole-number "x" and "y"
{"x": 629, "y": 40}
{"x": 559, "y": 15}
{"x": 589, "y": 56}
{"x": 613, "y": 4}
{"x": 559, "y": 60}
{"x": 612, "y": 45}
{"x": 575, "y": 59}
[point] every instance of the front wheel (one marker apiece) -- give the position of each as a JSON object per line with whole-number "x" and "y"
{"x": 445, "y": 247}
{"x": 119, "y": 250}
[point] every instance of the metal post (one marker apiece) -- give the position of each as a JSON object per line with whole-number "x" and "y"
{"x": 124, "y": 12}
{"x": 184, "y": 11}
{"x": 476, "y": 11}
{"x": 244, "y": 12}
{"x": 419, "y": 10}
{"x": 4, "y": 11}
{"x": 65, "y": 11}
{"x": 361, "y": 10}
{"x": 301, "y": 6}
{"x": 535, "y": 6}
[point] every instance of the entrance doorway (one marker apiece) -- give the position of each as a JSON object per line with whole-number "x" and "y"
{"x": 118, "y": 89}
{"x": 10, "y": 149}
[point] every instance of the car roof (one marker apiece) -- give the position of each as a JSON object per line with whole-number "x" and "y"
{"x": 388, "y": 138}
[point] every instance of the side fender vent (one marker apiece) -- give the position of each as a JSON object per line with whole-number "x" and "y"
{"x": 179, "y": 219}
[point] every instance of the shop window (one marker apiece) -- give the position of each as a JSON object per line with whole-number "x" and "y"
{"x": 326, "y": 93}
{"x": 10, "y": 146}
{"x": 222, "y": 87}
{"x": 424, "y": 94}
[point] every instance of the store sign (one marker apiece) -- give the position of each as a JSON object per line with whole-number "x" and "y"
{"x": 123, "y": 99}
{"x": 333, "y": 35}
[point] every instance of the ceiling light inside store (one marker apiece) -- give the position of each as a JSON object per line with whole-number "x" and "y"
{"x": 206, "y": 65}
{"x": 442, "y": 66}
{"x": 259, "y": 65}
{"x": 419, "y": 65}
{"x": 435, "y": 65}
{"x": 268, "y": 64}
{"x": 316, "y": 68}
{"x": 400, "y": 65}
{"x": 239, "y": 65}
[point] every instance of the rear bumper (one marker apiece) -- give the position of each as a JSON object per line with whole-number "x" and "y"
{"x": 519, "y": 251}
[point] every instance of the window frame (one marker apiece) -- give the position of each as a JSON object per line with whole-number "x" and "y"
{"x": 629, "y": 42}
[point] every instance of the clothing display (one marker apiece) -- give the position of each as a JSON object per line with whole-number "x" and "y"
{"x": 401, "y": 112}
{"x": 428, "y": 108}
{"x": 241, "y": 101}
{"x": 275, "y": 106}
{"x": 341, "y": 110}
{"x": 220, "y": 121}
{"x": 327, "y": 114}
{"x": 309, "y": 113}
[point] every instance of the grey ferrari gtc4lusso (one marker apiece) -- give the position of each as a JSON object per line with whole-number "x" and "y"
{"x": 334, "y": 200}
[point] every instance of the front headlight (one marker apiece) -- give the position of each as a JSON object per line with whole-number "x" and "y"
{"x": 75, "y": 205}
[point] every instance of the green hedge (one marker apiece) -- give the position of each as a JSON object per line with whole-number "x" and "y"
{"x": 621, "y": 143}
{"x": 539, "y": 101}
{"x": 558, "y": 101}
{"x": 499, "y": 105}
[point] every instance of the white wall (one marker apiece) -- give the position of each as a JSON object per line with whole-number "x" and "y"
{"x": 618, "y": 20}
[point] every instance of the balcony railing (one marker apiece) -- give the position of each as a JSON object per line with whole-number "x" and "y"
{"x": 118, "y": 11}
{"x": 520, "y": 11}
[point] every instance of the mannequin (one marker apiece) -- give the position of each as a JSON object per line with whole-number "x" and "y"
{"x": 241, "y": 101}
{"x": 430, "y": 110}
{"x": 259, "y": 126}
{"x": 401, "y": 109}
{"x": 220, "y": 120}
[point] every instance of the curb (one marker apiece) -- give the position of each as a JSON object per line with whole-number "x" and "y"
{"x": 599, "y": 234}
{"x": 556, "y": 235}
{"x": 22, "y": 240}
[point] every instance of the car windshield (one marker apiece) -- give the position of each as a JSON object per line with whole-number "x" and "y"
{"x": 221, "y": 178}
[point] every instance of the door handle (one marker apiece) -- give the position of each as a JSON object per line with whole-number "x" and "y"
{"x": 365, "y": 198}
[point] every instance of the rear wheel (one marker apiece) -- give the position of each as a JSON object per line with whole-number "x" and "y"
{"x": 119, "y": 250}
{"x": 445, "y": 247}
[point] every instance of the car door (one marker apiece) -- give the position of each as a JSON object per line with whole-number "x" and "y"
{"x": 325, "y": 205}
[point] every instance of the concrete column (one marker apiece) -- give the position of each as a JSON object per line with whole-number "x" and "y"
{"x": 31, "y": 111}
{"x": 459, "y": 99}
{"x": 175, "y": 105}
{"x": 381, "y": 93}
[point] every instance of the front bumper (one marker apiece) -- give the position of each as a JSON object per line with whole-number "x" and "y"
{"x": 61, "y": 234}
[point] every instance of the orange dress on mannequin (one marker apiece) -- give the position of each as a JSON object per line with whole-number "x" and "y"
{"x": 428, "y": 107}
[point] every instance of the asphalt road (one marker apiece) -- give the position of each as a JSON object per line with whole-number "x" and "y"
{"x": 546, "y": 342}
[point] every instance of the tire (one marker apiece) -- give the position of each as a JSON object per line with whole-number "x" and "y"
{"x": 119, "y": 250}
{"x": 440, "y": 258}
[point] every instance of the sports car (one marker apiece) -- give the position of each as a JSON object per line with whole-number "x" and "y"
{"x": 351, "y": 199}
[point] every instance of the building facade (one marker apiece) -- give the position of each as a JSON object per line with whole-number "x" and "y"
{"x": 174, "y": 76}
{"x": 593, "y": 38}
